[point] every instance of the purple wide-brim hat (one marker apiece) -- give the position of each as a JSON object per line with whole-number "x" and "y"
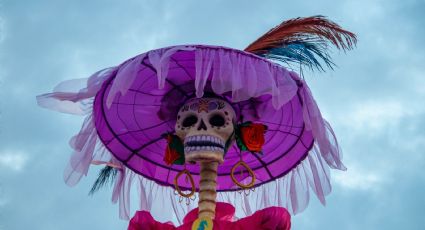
{"x": 130, "y": 107}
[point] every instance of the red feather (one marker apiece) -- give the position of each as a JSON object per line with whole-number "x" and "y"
{"x": 316, "y": 28}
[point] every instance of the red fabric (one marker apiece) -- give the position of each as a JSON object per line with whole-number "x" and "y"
{"x": 143, "y": 220}
{"x": 272, "y": 218}
{"x": 223, "y": 212}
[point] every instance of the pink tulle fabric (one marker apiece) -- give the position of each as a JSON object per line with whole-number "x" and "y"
{"x": 257, "y": 77}
{"x": 291, "y": 191}
{"x": 76, "y": 97}
{"x": 266, "y": 219}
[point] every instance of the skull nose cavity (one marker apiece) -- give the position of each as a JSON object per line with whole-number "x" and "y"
{"x": 202, "y": 126}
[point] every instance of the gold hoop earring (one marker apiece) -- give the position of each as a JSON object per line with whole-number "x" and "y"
{"x": 192, "y": 183}
{"x": 251, "y": 173}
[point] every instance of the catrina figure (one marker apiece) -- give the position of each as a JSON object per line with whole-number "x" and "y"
{"x": 208, "y": 131}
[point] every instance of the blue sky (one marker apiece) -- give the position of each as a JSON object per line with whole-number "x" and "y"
{"x": 374, "y": 100}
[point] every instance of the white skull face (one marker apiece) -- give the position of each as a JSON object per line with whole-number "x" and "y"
{"x": 205, "y": 125}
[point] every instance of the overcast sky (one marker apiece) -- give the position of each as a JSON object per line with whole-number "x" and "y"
{"x": 375, "y": 100}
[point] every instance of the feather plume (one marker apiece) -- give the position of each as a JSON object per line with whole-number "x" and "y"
{"x": 303, "y": 40}
{"x": 108, "y": 173}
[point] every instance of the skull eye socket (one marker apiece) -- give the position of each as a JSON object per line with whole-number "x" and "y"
{"x": 189, "y": 121}
{"x": 217, "y": 120}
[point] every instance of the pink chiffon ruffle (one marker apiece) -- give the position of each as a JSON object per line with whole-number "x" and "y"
{"x": 268, "y": 218}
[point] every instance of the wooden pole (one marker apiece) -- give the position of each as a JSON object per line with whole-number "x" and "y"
{"x": 207, "y": 189}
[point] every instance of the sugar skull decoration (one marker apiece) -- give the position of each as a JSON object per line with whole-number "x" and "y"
{"x": 199, "y": 128}
{"x": 206, "y": 127}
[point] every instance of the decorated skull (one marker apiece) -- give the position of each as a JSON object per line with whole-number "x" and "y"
{"x": 206, "y": 127}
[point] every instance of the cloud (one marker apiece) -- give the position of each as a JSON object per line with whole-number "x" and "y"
{"x": 2, "y": 29}
{"x": 375, "y": 116}
{"x": 2, "y": 201}
{"x": 13, "y": 160}
{"x": 359, "y": 179}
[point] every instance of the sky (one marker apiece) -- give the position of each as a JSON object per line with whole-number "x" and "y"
{"x": 374, "y": 100}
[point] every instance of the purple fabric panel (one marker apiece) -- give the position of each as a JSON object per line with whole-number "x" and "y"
{"x": 299, "y": 193}
{"x": 71, "y": 96}
{"x": 123, "y": 153}
{"x": 160, "y": 60}
{"x": 243, "y": 75}
{"x": 118, "y": 185}
{"x": 126, "y": 75}
{"x": 84, "y": 144}
{"x": 322, "y": 131}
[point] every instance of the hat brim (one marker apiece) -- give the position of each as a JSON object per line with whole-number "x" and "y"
{"x": 137, "y": 105}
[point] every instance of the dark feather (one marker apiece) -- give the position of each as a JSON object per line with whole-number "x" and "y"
{"x": 107, "y": 174}
{"x": 302, "y": 52}
{"x": 303, "y": 40}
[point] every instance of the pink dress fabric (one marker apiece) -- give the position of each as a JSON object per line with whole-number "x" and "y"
{"x": 272, "y": 218}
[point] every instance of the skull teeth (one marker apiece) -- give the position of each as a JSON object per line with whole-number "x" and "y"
{"x": 202, "y": 148}
{"x": 203, "y": 143}
{"x": 204, "y": 138}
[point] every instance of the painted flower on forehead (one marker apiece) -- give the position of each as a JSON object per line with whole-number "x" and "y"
{"x": 250, "y": 137}
{"x": 203, "y": 105}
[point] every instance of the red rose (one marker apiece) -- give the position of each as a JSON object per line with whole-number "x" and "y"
{"x": 171, "y": 154}
{"x": 252, "y": 136}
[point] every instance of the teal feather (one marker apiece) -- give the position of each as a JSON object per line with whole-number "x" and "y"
{"x": 305, "y": 41}
{"x": 107, "y": 174}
